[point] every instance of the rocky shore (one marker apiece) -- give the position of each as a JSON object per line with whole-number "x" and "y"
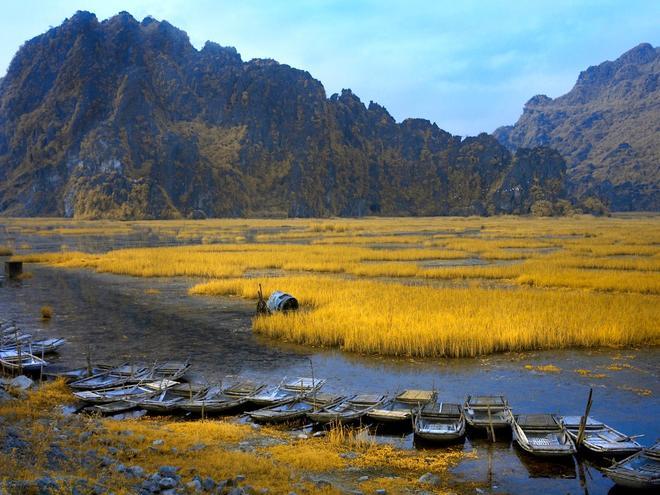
{"x": 47, "y": 449}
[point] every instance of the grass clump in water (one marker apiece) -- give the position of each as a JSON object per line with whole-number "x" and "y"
{"x": 47, "y": 312}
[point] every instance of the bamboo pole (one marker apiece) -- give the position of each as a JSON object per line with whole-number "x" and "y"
{"x": 18, "y": 353}
{"x": 490, "y": 425}
{"x": 583, "y": 420}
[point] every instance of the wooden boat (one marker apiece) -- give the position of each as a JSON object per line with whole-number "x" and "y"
{"x": 401, "y": 408}
{"x": 14, "y": 361}
{"x": 124, "y": 393}
{"x": 39, "y": 347}
{"x": 112, "y": 407}
{"x": 14, "y": 340}
{"x": 170, "y": 370}
{"x": 74, "y": 374}
{"x": 115, "y": 377}
{"x": 347, "y": 411}
{"x": 189, "y": 390}
{"x": 212, "y": 401}
{"x": 542, "y": 435}
{"x": 440, "y": 422}
{"x": 242, "y": 388}
{"x": 166, "y": 401}
{"x": 487, "y": 411}
{"x": 600, "y": 438}
{"x": 287, "y": 391}
{"x": 640, "y": 470}
{"x": 295, "y": 410}
{"x": 218, "y": 400}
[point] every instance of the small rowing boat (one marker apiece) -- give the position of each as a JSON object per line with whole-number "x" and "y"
{"x": 124, "y": 393}
{"x": 212, "y": 401}
{"x": 287, "y": 391}
{"x": 600, "y": 438}
{"x": 69, "y": 375}
{"x": 115, "y": 377}
{"x": 295, "y": 410}
{"x": 14, "y": 360}
{"x": 401, "y": 408}
{"x": 347, "y": 411}
{"x": 487, "y": 411}
{"x": 38, "y": 347}
{"x": 640, "y": 470}
{"x": 440, "y": 422}
{"x": 542, "y": 435}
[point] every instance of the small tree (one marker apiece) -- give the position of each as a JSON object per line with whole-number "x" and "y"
{"x": 541, "y": 208}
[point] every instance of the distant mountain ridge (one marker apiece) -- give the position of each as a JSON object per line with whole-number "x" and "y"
{"x": 126, "y": 119}
{"x": 607, "y": 128}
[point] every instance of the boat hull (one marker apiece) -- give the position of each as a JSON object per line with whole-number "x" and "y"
{"x": 223, "y": 407}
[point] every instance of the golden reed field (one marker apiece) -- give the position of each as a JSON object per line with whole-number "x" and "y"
{"x": 420, "y": 287}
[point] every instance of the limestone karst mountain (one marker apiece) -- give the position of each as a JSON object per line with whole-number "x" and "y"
{"x": 607, "y": 128}
{"x": 126, "y": 119}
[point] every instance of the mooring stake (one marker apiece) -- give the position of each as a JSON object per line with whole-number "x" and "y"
{"x": 583, "y": 420}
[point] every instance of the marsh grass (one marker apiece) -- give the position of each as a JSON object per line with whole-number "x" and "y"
{"x": 40, "y": 402}
{"x": 46, "y": 312}
{"x": 394, "y": 319}
{"x": 516, "y": 284}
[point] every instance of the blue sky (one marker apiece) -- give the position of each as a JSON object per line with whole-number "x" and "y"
{"x": 467, "y": 65}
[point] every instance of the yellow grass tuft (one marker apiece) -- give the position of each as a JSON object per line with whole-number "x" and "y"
{"x": 39, "y": 402}
{"x": 544, "y": 368}
{"x": 46, "y": 312}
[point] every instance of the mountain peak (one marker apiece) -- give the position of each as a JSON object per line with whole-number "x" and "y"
{"x": 612, "y": 103}
{"x": 641, "y": 54}
{"x": 81, "y": 17}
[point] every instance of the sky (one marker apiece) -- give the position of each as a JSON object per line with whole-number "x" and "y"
{"x": 467, "y": 65}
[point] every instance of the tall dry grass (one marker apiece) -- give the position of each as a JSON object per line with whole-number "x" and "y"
{"x": 552, "y": 282}
{"x": 393, "y": 319}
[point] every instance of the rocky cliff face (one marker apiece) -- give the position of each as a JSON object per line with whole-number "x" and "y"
{"x": 126, "y": 119}
{"x": 607, "y": 127}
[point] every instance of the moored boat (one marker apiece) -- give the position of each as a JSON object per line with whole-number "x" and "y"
{"x": 166, "y": 401}
{"x": 600, "y": 438}
{"x": 212, "y": 401}
{"x": 640, "y": 470}
{"x": 487, "y": 412}
{"x": 74, "y": 374}
{"x": 347, "y": 411}
{"x": 38, "y": 347}
{"x": 239, "y": 387}
{"x": 124, "y": 393}
{"x": 440, "y": 422}
{"x": 114, "y": 377}
{"x": 287, "y": 391}
{"x": 15, "y": 360}
{"x": 170, "y": 370}
{"x": 542, "y": 435}
{"x": 295, "y": 410}
{"x": 110, "y": 408}
{"x": 400, "y": 409}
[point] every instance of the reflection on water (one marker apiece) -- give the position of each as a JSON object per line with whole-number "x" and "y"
{"x": 118, "y": 318}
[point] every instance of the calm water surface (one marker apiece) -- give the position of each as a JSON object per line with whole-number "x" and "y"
{"x": 119, "y": 318}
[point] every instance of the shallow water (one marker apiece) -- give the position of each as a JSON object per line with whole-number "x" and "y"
{"x": 118, "y": 318}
